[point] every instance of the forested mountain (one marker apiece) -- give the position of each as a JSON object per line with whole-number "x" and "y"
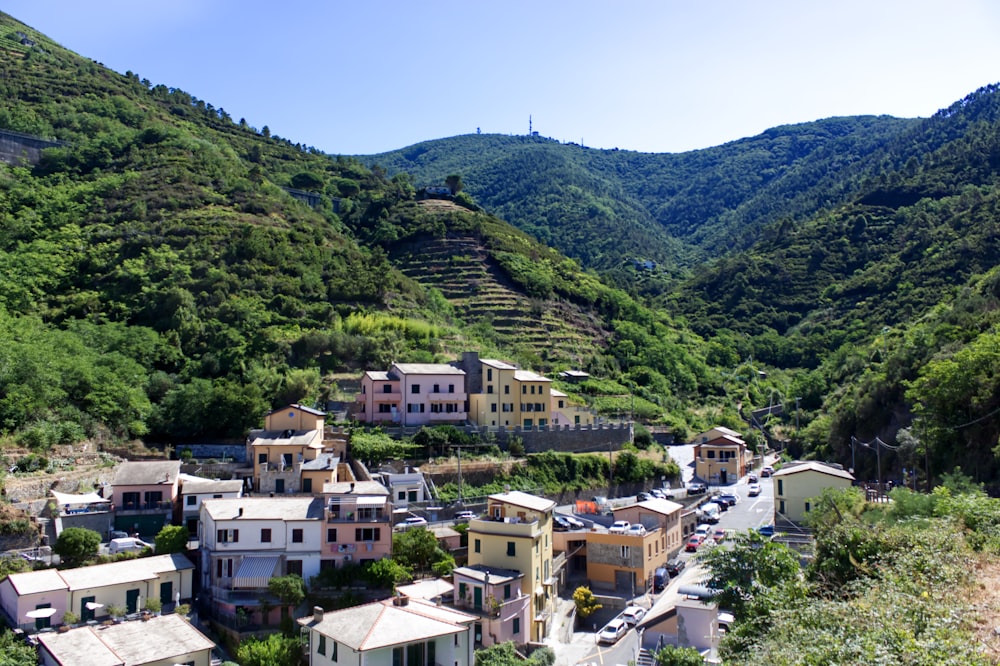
{"x": 169, "y": 272}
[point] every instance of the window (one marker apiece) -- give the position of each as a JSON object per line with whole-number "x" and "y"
{"x": 561, "y": 405}
{"x": 331, "y": 535}
{"x": 191, "y": 500}
{"x": 489, "y": 389}
{"x": 511, "y": 549}
{"x": 402, "y": 495}
{"x": 367, "y": 534}
{"x": 415, "y": 388}
{"x": 227, "y": 536}
{"x": 387, "y": 388}
{"x": 517, "y": 626}
{"x": 384, "y": 408}
{"x": 293, "y": 567}
{"x": 265, "y": 535}
{"x": 451, "y": 388}
{"x": 297, "y": 535}
{"x": 781, "y": 506}
{"x": 524, "y": 389}
{"x": 506, "y": 591}
{"x": 436, "y": 389}
{"x": 415, "y": 409}
{"x": 711, "y": 454}
{"x": 333, "y": 651}
{"x": 321, "y": 646}
{"x": 626, "y": 552}
{"x": 478, "y": 546}
{"x": 262, "y": 458}
{"x": 493, "y": 407}
{"x": 489, "y": 374}
{"x": 781, "y": 487}
{"x": 506, "y": 389}
{"x": 807, "y": 507}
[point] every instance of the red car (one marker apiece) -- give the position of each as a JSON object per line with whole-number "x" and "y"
{"x": 693, "y": 543}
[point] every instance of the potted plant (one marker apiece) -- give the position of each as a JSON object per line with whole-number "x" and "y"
{"x": 154, "y": 605}
{"x": 116, "y": 612}
{"x": 70, "y": 618}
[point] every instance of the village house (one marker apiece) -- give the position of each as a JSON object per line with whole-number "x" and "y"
{"x": 798, "y": 484}
{"x": 159, "y": 641}
{"x": 90, "y": 591}
{"x": 413, "y": 394}
{"x": 143, "y": 495}
{"x": 394, "y": 632}
{"x": 246, "y": 542}
{"x": 721, "y": 457}
{"x": 515, "y": 534}
{"x": 660, "y": 514}
{"x": 497, "y": 599}
{"x": 357, "y": 523}
{"x": 510, "y": 397}
{"x": 565, "y": 412}
{"x": 194, "y": 490}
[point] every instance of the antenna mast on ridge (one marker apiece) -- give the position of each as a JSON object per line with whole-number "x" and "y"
{"x": 529, "y": 124}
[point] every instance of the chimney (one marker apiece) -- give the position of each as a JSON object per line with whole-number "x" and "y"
{"x": 352, "y": 487}
{"x": 240, "y": 515}
{"x": 400, "y": 599}
{"x": 317, "y": 614}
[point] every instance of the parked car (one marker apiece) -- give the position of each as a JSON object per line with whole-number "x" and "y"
{"x": 633, "y": 615}
{"x": 127, "y": 545}
{"x": 719, "y": 535}
{"x": 729, "y": 498}
{"x": 675, "y": 566}
{"x": 766, "y": 472}
{"x": 658, "y": 494}
{"x": 766, "y": 530}
{"x": 574, "y": 522}
{"x": 660, "y": 579}
{"x": 696, "y": 488}
{"x": 619, "y": 527}
{"x": 464, "y": 516}
{"x": 612, "y": 632}
{"x": 693, "y": 543}
{"x": 118, "y": 534}
{"x": 642, "y": 497}
{"x": 754, "y": 489}
{"x": 636, "y": 530}
{"x": 703, "y": 529}
{"x": 413, "y": 521}
{"x": 710, "y": 512}
{"x": 560, "y": 524}
{"x": 752, "y": 478}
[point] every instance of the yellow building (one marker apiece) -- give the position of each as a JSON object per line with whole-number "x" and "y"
{"x": 516, "y": 535}
{"x": 654, "y": 514}
{"x": 797, "y": 484}
{"x": 565, "y": 412}
{"x": 625, "y": 562}
{"x": 511, "y": 398}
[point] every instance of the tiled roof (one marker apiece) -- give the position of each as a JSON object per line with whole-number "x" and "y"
{"x": 265, "y": 508}
{"x": 526, "y": 500}
{"x": 147, "y": 473}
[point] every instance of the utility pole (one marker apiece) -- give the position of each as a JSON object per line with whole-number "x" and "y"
{"x": 458, "y": 450}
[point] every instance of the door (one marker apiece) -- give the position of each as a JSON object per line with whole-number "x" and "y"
{"x": 167, "y": 592}
{"x": 477, "y": 598}
{"x": 279, "y": 486}
{"x": 131, "y": 601}
{"x": 86, "y": 614}
{"x": 307, "y": 485}
{"x": 722, "y": 476}
{"x": 43, "y": 622}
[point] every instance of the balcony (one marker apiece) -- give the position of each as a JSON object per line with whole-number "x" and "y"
{"x": 510, "y": 526}
{"x": 140, "y": 507}
{"x": 354, "y": 516}
{"x": 445, "y": 417}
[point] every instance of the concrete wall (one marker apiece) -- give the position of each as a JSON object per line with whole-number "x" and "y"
{"x": 23, "y": 149}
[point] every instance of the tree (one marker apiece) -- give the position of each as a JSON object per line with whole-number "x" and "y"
{"x": 586, "y": 602}
{"x": 289, "y": 589}
{"x": 751, "y": 566}
{"x": 418, "y": 548}
{"x": 387, "y": 572}
{"x": 15, "y": 652}
{"x": 275, "y": 650}
{"x": 76, "y": 545}
{"x": 454, "y": 183}
{"x": 172, "y": 539}
{"x": 671, "y": 655}
{"x": 504, "y": 654}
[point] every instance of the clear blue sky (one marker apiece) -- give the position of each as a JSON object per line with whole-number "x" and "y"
{"x": 361, "y": 77}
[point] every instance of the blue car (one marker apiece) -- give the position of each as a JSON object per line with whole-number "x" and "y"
{"x": 766, "y": 530}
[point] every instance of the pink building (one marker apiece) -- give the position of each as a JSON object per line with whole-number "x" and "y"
{"x": 143, "y": 495}
{"x": 357, "y": 524}
{"x": 413, "y": 394}
{"x": 494, "y": 595}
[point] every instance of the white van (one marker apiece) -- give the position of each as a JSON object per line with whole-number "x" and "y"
{"x": 710, "y": 512}
{"x": 127, "y": 545}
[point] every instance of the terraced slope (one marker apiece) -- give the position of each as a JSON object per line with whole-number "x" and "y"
{"x": 547, "y": 333}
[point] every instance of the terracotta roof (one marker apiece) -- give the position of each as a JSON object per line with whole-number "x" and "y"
{"x": 147, "y": 473}
{"x": 813, "y": 466}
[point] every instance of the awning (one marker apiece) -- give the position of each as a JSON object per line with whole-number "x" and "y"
{"x": 40, "y": 612}
{"x": 65, "y": 498}
{"x": 368, "y": 500}
{"x": 93, "y": 605}
{"x": 255, "y": 571}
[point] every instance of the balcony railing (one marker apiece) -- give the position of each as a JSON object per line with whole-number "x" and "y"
{"x": 356, "y": 517}
{"x": 146, "y": 506}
